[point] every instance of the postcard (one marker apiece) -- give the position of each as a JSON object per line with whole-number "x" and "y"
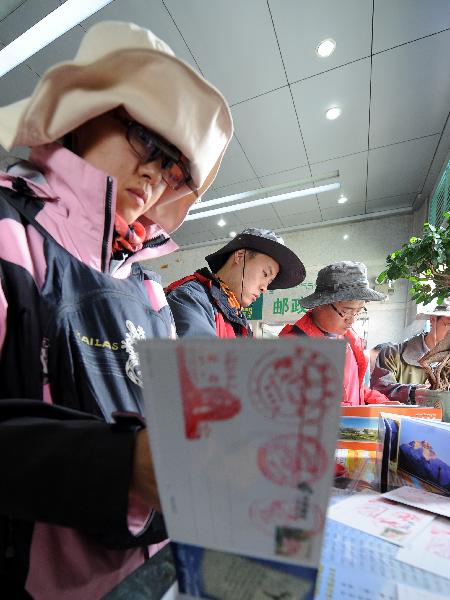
{"x": 375, "y": 515}
{"x": 243, "y": 434}
{"x": 430, "y": 549}
{"x": 412, "y": 496}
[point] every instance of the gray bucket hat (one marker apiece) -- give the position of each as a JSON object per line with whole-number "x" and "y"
{"x": 344, "y": 280}
{"x": 292, "y": 271}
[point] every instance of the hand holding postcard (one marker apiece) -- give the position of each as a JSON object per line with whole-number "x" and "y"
{"x": 243, "y": 435}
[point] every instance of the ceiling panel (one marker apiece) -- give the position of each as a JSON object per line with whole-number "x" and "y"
{"x": 346, "y": 87}
{"x": 235, "y": 188}
{"x": 402, "y": 106}
{"x": 400, "y": 21}
{"x": 399, "y": 169}
{"x": 234, "y": 44}
{"x": 235, "y": 167}
{"x": 391, "y": 202}
{"x": 265, "y": 125}
{"x": 302, "y": 218}
{"x": 17, "y": 84}
{"x": 340, "y": 211}
{"x": 302, "y": 26}
{"x": 296, "y": 205}
{"x": 146, "y": 13}
{"x": 266, "y": 211}
{"x": 292, "y": 175}
{"x": 352, "y": 177}
{"x": 273, "y": 223}
{"x": 24, "y": 17}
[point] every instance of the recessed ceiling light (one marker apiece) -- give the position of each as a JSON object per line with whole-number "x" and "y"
{"x": 326, "y": 48}
{"x": 221, "y": 223}
{"x": 342, "y": 200}
{"x": 232, "y": 234}
{"x": 345, "y": 236}
{"x": 333, "y": 113}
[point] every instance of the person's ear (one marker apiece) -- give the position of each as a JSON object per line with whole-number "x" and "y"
{"x": 239, "y": 256}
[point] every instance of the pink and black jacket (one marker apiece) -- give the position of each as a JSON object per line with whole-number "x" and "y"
{"x": 70, "y": 381}
{"x": 201, "y": 308}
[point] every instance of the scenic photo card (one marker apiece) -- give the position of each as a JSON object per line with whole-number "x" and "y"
{"x": 243, "y": 434}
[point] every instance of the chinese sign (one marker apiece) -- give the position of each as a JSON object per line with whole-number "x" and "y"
{"x": 288, "y": 304}
{"x": 254, "y": 311}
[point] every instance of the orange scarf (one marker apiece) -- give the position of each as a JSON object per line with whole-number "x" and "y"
{"x": 127, "y": 237}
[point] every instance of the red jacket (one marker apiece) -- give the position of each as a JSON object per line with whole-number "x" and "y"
{"x": 305, "y": 325}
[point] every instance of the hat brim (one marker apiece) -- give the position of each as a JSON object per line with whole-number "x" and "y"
{"x": 292, "y": 271}
{"x": 355, "y": 293}
{"x": 437, "y": 313}
{"x": 71, "y": 93}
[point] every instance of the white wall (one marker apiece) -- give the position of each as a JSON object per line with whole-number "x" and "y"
{"x": 369, "y": 242}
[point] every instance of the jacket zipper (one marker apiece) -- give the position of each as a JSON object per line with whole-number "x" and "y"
{"x": 108, "y": 202}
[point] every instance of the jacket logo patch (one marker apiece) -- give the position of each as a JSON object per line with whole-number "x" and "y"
{"x": 96, "y": 342}
{"x": 133, "y": 366}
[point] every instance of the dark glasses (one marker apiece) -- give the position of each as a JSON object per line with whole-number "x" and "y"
{"x": 150, "y": 146}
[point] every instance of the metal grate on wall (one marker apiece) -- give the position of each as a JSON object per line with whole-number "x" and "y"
{"x": 440, "y": 202}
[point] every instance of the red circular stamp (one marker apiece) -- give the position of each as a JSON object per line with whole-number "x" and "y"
{"x": 290, "y": 460}
{"x": 302, "y": 385}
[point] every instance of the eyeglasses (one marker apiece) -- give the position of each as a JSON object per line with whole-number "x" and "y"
{"x": 150, "y": 146}
{"x": 350, "y": 314}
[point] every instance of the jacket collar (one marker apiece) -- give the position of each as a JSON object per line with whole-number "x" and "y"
{"x": 81, "y": 207}
{"x": 414, "y": 349}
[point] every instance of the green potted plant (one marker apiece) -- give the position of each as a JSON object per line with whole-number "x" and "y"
{"x": 425, "y": 263}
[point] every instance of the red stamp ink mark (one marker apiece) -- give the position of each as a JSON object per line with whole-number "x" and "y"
{"x": 203, "y": 405}
{"x": 302, "y": 385}
{"x": 290, "y": 460}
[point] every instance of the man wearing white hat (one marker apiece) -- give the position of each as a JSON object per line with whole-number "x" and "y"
{"x": 397, "y": 372}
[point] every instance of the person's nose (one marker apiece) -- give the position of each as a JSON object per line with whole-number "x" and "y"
{"x": 263, "y": 287}
{"x": 152, "y": 171}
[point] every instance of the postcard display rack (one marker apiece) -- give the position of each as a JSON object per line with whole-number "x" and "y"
{"x": 243, "y": 434}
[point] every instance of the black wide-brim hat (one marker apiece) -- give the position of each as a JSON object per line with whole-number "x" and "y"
{"x": 292, "y": 271}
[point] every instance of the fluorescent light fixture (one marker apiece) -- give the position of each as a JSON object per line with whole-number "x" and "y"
{"x": 326, "y": 48}
{"x": 345, "y": 236}
{"x": 261, "y": 201}
{"x": 63, "y": 18}
{"x": 333, "y": 113}
{"x": 266, "y": 191}
{"x": 232, "y": 234}
{"x": 342, "y": 200}
{"x": 221, "y": 223}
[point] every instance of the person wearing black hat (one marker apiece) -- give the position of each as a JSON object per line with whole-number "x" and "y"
{"x": 209, "y": 302}
{"x": 342, "y": 290}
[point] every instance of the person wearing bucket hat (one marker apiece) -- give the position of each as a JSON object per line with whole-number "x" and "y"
{"x": 342, "y": 290}
{"x": 397, "y": 372}
{"x": 123, "y": 139}
{"x": 210, "y": 301}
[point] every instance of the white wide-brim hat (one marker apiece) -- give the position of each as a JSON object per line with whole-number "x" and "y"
{"x": 434, "y": 310}
{"x": 121, "y": 64}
